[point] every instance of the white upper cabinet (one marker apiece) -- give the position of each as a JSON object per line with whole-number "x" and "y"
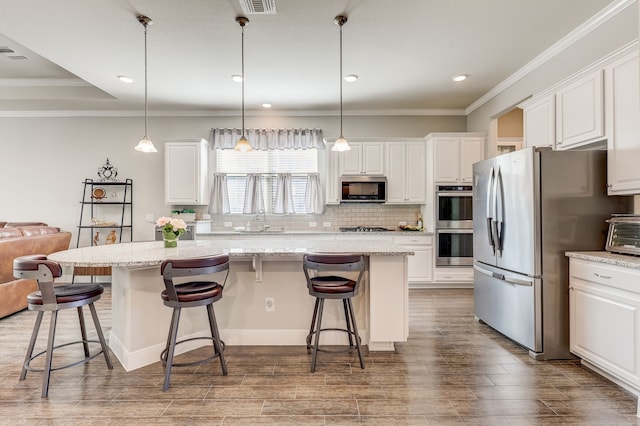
{"x": 447, "y": 159}
{"x": 364, "y": 158}
{"x": 580, "y": 112}
{"x": 471, "y": 151}
{"x": 332, "y": 193}
{"x": 406, "y": 172}
{"x": 185, "y": 172}
{"x": 454, "y": 157}
{"x": 540, "y": 122}
{"x": 622, "y": 103}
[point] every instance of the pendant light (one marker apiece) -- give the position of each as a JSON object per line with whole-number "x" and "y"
{"x": 341, "y": 143}
{"x": 145, "y": 144}
{"x": 243, "y": 144}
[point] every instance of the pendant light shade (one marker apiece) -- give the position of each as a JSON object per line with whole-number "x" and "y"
{"x": 341, "y": 143}
{"x": 243, "y": 144}
{"x": 145, "y": 144}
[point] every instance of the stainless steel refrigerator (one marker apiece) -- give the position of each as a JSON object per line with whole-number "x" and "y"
{"x": 529, "y": 207}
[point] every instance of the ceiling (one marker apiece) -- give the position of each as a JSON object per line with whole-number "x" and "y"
{"x": 404, "y": 52}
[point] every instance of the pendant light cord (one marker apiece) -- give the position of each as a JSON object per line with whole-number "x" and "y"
{"x": 242, "y": 73}
{"x": 341, "y": 81}
{"x": 145, "y": 83}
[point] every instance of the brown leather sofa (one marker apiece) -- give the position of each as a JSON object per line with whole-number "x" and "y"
{"x": 20, "y": 239}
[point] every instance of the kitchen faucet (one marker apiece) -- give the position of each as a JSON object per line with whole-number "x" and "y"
{"x": 262, "y": 213}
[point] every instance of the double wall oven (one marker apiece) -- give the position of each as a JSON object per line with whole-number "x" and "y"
{"x": 454, "y": 225}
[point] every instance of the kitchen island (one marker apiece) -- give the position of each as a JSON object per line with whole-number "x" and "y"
{"x": 261, "y": 268}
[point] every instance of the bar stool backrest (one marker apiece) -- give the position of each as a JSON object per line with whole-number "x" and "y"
{"x": 333, "y": 262}
{"x": 175, "y": 268}
{"x": 38, "y": 267}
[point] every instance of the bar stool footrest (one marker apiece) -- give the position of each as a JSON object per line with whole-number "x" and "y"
{"x": 28, "y": 367}
{"x": 163, "y": 354}
{"x": 349, "y": 348}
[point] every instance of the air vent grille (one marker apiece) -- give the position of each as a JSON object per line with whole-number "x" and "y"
{"x": 258, "y": 7}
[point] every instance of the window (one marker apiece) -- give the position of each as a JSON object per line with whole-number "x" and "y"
{"x": 238, "y": 164}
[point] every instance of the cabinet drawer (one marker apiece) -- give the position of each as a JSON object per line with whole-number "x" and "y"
{"x": 605, "y": 274}
{"x": 413, "y": 240}
{"x": 460, "y": 276}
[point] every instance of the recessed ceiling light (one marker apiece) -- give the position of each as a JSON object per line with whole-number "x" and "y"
{"x": 237, "y": 78}
{"x": 125, "y": 79}
{"x": 266, "y": 105}
{"x": 460, "y": 77}
{"x": 350, "y": 77}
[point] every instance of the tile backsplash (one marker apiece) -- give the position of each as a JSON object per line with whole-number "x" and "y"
{"x": 387, "y": 216}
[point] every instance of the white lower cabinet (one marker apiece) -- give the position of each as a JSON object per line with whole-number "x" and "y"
{"x": 420, "y": 265}
{"x": 604, "y": 310}
{"x": 454, "y": 276}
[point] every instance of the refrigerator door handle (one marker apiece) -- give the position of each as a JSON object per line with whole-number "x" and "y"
{"x": 506, "y": 278}
{"x": 488, "y": 272}
{"x": 518, "y": 281}
{"x": 499, "y": 194}
{"x": 498, "y": 206}
{"x": 489, "y": 215}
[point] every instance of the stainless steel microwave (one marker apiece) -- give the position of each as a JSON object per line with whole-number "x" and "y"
{"x": 363, "y": 189}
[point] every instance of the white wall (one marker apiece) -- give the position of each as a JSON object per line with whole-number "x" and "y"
{"x": 45, "y": 160}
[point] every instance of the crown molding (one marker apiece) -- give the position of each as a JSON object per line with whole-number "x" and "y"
{"x": 204, "y": 113}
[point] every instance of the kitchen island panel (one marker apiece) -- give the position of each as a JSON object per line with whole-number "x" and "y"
{"x": 259, "y": 269}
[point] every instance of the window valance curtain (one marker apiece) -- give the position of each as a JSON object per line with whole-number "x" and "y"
{"x": 266, "y": 139}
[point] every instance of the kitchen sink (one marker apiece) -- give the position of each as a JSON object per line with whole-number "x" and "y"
{"x": 259, "y": 230}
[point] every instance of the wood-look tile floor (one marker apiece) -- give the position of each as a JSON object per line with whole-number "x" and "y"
{"x": 452, "y": 371}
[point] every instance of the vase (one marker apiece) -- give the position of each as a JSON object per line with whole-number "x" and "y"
{"x": 170, "y": 239}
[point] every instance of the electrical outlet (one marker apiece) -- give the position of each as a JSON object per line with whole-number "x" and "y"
{"x": 228, "y": 224}
{"x": 313, "y": 224}
{"x": 269, "y": 304}
{"x": 326, "y": 224}
{"x": 206, "y": 216}
{"x": 402, "y": 222}
{"x": 149, "y": 217}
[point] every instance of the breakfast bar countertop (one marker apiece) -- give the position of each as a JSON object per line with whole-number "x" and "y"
{"x": 606, "y": 257}
{"x": 152, "y": 253}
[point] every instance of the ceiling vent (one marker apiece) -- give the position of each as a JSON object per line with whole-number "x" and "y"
{"x": 258, "y": 7}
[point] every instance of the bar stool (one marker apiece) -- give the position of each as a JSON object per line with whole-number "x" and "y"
{"x": 191, "y": 294}
{"x": 52, "y": 299}
{"x": 333, "y": 287}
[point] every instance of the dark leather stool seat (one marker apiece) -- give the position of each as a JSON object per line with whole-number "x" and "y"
{"x": 333, "y": 287}
{"x": 53, "y": 299}
{"x": 192, "y": 294}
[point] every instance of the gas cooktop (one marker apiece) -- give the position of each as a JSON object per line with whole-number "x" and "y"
{"x": 362, "y": 229}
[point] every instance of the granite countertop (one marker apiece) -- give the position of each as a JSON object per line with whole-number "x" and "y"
{"x": 609, "y": 258}
{"x": 275, "y": 232}
{"x": 152, "y": 253}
